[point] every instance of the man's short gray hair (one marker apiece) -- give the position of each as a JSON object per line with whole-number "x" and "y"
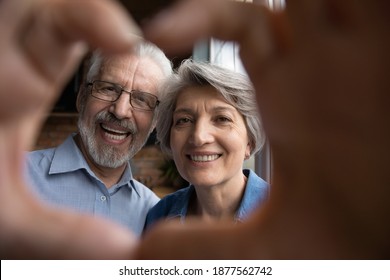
{"x": 142, "y": 49}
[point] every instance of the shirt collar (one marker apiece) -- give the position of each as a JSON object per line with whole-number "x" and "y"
{"x": 68, "y": 158}
{"x": 256, "y": 190}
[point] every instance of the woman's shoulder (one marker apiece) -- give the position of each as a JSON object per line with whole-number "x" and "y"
{"x": 182, "y": 194}
{"x": 179, "y": 196}
{"x": 173, "y": 204}
{"x": 255, "y": 179}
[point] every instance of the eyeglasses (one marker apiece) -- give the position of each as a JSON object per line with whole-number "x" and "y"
{"x": 111, "y": 92}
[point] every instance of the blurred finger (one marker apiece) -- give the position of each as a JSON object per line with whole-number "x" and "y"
{"x": 104, "y": 24}
{"x": 177, "y": 29}
{"x": 45, "y": 40}
{"x": 54, "y": 28}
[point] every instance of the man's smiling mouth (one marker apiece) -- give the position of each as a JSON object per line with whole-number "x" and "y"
{"x": 114, "y": 134}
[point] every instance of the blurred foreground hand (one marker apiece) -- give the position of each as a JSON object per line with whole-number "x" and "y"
{"x": 42, "y": 43}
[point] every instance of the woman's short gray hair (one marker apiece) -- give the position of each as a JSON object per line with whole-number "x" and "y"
{"x": 236, "y": 89}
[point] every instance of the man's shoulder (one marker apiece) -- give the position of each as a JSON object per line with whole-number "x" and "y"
{"x": 35, "y": 157}
{"x": 43, "y": 158}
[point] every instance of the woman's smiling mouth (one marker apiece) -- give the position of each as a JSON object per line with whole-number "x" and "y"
{"x": 204, "y": 158}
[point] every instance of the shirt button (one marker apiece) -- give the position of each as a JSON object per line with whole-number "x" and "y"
{"x": 103, "y": 198}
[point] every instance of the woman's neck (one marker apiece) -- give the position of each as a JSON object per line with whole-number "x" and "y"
{"x": 218, "y": 202}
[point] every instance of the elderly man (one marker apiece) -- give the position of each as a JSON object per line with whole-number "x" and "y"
{"x": 90, "y": 171}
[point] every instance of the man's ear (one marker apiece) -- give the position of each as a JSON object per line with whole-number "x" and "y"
{"x": 80, "y": 98}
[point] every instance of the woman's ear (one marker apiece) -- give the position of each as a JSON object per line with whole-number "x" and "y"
{"x": 248, "y": 151}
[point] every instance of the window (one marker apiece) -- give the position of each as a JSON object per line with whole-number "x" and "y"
{"x": 227, "y": 54}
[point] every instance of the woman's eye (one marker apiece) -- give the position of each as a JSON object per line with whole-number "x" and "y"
{"x": 223, "y": 119}
{"x": 182, "y": 121}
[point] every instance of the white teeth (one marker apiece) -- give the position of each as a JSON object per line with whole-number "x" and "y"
{"x": 115, "y": 137}
{"x": 205, "y": 158}
{"x": 113, "y": 130}
{"x": 114, "y": 134}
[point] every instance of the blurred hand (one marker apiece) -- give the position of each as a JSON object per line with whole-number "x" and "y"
{"x": 42, "y": 43}
{"x": 320, "y": 72}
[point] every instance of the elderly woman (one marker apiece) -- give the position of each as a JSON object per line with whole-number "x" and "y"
{"x": 209, "y": 124}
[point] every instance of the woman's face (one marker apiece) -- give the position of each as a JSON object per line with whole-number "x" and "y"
{"x": 209, "y": 139}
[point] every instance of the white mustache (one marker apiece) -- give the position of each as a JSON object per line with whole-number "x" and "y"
{"x": 108, "y": 117}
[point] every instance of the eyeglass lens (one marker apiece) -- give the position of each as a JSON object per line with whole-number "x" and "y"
{"x": 111, "y": 92}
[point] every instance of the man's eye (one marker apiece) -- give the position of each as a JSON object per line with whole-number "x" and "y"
{"x": 109, "y": 90}
{"x": 140, "y": 98}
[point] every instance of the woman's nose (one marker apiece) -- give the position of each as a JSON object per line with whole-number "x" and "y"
{"x": 202, "y": 133}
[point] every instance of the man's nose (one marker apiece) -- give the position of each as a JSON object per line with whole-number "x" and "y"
{"x": 122, "y": 108}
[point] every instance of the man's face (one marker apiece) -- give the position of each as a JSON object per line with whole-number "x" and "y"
{"x": 112, "y": 133}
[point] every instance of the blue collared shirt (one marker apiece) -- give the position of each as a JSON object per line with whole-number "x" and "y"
{"x": 175, "y": 205}
{"x": 62, "y": 177}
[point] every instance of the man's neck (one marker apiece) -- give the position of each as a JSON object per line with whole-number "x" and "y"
{"x": 109, "y": 176}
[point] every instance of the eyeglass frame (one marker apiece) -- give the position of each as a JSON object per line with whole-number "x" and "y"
{"x": 123, "y": 90}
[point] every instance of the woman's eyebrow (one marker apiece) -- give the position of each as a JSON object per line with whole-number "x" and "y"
{"x": 182, "y": 111}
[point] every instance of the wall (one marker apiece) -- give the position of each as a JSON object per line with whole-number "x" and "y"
{"x": 55, "y": 130}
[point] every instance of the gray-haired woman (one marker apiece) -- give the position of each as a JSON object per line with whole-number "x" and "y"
{"x": 209, "y": 124}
